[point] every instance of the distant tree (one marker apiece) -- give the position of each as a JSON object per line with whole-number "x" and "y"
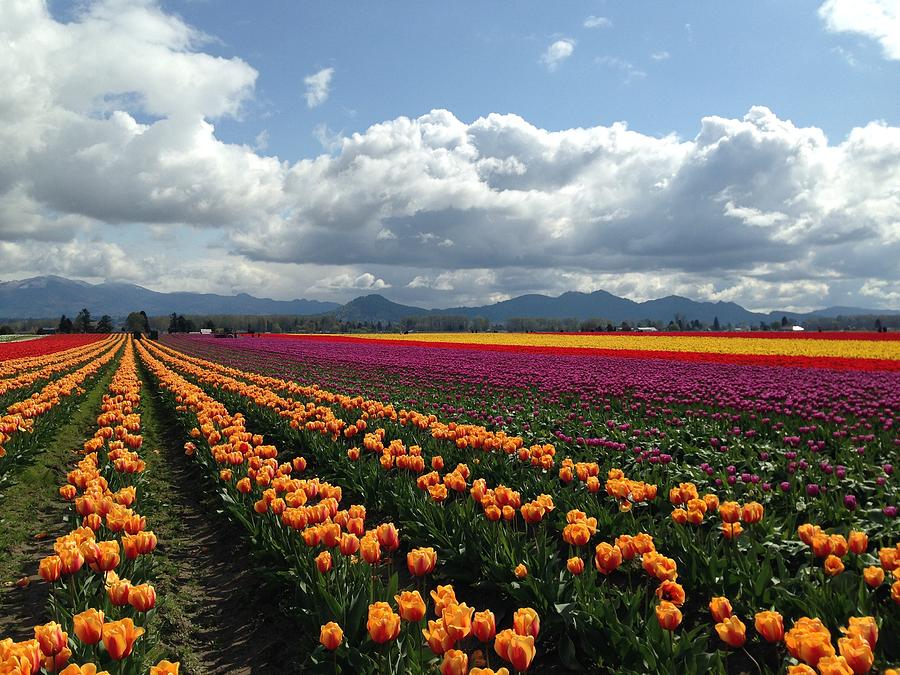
{"x": 878, "y": 324}
{"x": 610, "y": 328}
{"x": 104, "y": 325}
{"x": 625, "y": 326}
{"x": 209, "y": 324}
{"x": 82, "y": 323}
{"x": 173, "y": 323}
{"x": 784, "y": 321}
{"x": 763, "y": 326}
{"x": 65, "y": 325}
{"x": 6, "y": 330}
{"x": 137, "y": 322}
{"x": 716, "y": 323}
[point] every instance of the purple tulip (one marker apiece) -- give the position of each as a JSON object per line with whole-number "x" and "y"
{"x": 812, "y": 490}
{"x": 890, "y": 511}
{"x": 785, "y": 486}
{"x": 850, "y": 502}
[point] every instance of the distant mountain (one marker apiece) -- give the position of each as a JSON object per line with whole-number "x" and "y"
{"x": 374, "y": 308}
{"x": 52, "y": 296}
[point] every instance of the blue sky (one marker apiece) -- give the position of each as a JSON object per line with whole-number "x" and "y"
{"x": 474, "y": 58}
{"x": 456, "y": 153}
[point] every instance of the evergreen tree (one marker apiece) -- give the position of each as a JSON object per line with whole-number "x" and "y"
{"x": 716, "y": 323}
{"x": 104, "y": 325}
{"x": 65, "y": 325}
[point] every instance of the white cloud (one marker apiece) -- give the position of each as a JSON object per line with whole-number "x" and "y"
{"x": 94, "y": 141}
{"x": 261, "y": 142}
{"x": 318, "y": 87}
{"x": 597, "y": 22}
{"x": 558, "y": 52}
{"x": 341, "y": 282}
{"x": 660, "y": 55}
{"x": 876, "y": 19}
{"x": 629, "y": 71}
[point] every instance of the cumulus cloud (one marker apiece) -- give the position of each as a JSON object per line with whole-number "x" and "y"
{"x": 318, "y": 86}
{"x": 557, "y": 52}
{"x": 878, "y": 20}
{"x": 340, "y": 282}
{"x": 756, "y": 209}
{"x": 597, "y": 22}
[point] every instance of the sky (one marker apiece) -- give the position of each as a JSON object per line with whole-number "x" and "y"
{"x": 447, "y": 154}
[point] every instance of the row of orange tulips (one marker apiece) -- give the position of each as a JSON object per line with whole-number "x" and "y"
{"x": 21, "y": 415}
{"x": 322, "y": 527}
{"x": 88, "y": 568}
{"x": 21, "y": 373}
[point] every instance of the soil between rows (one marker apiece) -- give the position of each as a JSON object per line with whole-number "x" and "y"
{"x": 218, "y": 609}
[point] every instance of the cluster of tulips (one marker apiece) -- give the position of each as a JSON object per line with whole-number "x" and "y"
{"x": 692, "y": 509}
{"x": 89, "y": 564}
{"x": 456, "y": 627}
{"x": 808, "y": 640}
{"x": 324, "y": 526}
{"x": 317, "y": 414}
{"x": 22, "y": 414}
{"x": 832, "y": 548}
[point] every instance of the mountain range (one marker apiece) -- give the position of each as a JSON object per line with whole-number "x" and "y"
{"x": 52, "y": 296}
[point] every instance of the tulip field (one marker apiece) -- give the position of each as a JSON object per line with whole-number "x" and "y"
{"x": 464, "y": 503}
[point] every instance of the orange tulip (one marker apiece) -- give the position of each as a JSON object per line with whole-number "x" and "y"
{"x": 165, "y": 667}
{"x": 732, "y": 530}
{"x": 107, "y": 556}
{"x": 383, "y": 624}
{"x": 489, "y": 671}
{"x": 865, "y": 627}
{"x": 51, "y": 638}
{"x": 58, "y": 661}
{"x": 668, "y": 615}
{"x": 752, "y": 512}
{"x": 732, "y": 631}
{"x": 501, "y": 643}
{"x": 421, "y": 561}
{"x": 72, "y": 560}
{"x": 801, "y": 669}
{"x": 874, "y": 576}
{"x": 443, "y": 596}
{"x": 575, "y": 565}
{"x": 895, "y": 591}
{"x": 720, "y": 608}
{"x": 520, "y": 651}
{"x": 411, "y": 606}
{"x": 521, "y": 571}
{"x": 859, "y": 542}
{"x": 142, "y": 597}
{"x": 89, "y": 626}
{"x": 349, "y": 544}
{"x": 526, "y": 621}
{"x": 730, "y": 512}
{"x": 484, "y": 626}
{"x": 118, "y": 591}
{"x": 671, "y": 591}
{"x": 457, "y": 621}
{"x": 86, "y": 669}
{"x": 50, "y": 568}
{"x": 324, "y": 562}
{"x": 331, "y": 636}
{"x": 834, "y": 665}
{"x": 770, "y": 625}
{"x": 437, "y": 638}
{"x": 576, "y": 534}
{"x": 370, "y": 549}
{"x": 455, "y": 662}
{"x": 119, "y": 637}
{"x": 607, "y": 558}
{"x": 833, "y": 566}
{"x": 858, "y": 653}
{"x": 388, "y": 537}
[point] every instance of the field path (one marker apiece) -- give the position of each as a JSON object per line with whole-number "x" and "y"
{"x": 218, "y": 611}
